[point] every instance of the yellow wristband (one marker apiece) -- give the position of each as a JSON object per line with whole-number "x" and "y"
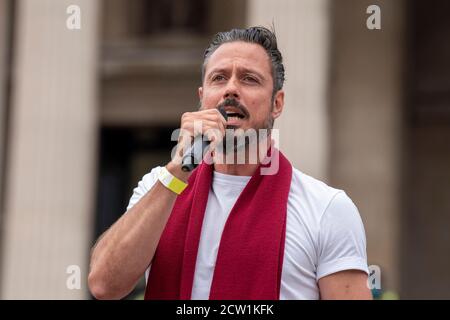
{"x": 171, "y": 182}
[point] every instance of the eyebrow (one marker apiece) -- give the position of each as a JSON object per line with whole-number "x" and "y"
{"x": 240, "y": 70}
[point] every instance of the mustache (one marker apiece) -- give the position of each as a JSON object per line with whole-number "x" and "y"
{"x": 234, "y": 103}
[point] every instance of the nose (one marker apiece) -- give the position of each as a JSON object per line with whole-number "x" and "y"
{"x": 231, "y": 90}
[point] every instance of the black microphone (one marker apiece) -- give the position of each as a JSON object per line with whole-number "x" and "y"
{"x": 195, "y": 153}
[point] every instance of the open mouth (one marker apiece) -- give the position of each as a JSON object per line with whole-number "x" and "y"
{"x": 233, "y": 113}
{"x": 234, "y": 116}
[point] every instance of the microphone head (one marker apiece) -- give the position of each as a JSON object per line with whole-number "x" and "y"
{"x": 223, "y": 113}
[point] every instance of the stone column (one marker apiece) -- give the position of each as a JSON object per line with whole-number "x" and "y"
{"x": 303, "y": 37}
{"x": 366, "y": 112}
{"x": 52, "y": 153}
{"x": 4, "y": 43}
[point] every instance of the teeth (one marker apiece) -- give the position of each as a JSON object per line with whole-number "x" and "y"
{"x": 234, "y": 114}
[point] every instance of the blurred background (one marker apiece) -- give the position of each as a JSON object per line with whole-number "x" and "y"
{"x": 84, "y": 114}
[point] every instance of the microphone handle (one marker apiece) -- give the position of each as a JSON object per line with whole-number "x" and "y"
{"x": 194, "y": 154}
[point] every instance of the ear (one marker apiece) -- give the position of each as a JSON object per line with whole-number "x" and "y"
{"x": 200, "y": 93}
{"x": 278, "y": 104}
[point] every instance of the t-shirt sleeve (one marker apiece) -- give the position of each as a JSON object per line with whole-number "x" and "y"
{"x": 144, "y": 186}
{"x": 342, "y": 239}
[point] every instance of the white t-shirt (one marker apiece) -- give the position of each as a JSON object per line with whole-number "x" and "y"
{"x": 324, "y": 232}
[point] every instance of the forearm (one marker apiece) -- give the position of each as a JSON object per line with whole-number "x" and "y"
{"x": 122, "y": 255}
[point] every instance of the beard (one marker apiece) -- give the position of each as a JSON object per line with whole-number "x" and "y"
{"x": 238, "y": 140}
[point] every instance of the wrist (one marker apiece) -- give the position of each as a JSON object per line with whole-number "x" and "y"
{"x": 171, "y": 182}
{"x": 176, "y": 171}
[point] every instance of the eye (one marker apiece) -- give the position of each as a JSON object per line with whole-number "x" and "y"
{"x": 218, "y": 77}
{"x": 250, "y": 79}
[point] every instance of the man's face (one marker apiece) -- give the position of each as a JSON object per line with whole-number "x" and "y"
{"x": 241, "y": 71}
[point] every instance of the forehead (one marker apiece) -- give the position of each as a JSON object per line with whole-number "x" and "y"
{"x": 244, "y": 54}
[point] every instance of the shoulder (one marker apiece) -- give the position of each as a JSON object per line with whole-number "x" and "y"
{"x": 328, "y": 220}
{"x": 311, "y": 195}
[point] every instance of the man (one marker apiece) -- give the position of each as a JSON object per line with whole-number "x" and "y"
{"x": 226, "y": 230}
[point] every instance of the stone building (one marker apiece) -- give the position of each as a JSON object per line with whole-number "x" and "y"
{"x": 84, "y": 113}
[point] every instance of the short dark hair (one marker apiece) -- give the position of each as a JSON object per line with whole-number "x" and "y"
{"x": 258, "y": 35}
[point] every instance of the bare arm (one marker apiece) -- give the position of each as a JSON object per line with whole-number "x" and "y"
{"x": 123, "y": 253}
{"x": 345, "y": 285}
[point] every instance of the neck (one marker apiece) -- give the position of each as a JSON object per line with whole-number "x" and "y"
{"x": 236, "y": 169}
{"x": 242, "y": 169}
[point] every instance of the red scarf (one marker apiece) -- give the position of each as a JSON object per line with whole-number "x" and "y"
{"x": 250, "y": 256}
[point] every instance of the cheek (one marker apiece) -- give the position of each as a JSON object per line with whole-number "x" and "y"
{"x": 259, "y": 108}
{"x": 211, "y": 91}
{"x": 209, "y": 100}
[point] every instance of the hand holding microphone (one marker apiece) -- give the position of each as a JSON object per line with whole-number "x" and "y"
{"x": 211, "y": 120}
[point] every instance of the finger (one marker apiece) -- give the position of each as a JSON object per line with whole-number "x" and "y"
{"x": 214, "y": 114}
